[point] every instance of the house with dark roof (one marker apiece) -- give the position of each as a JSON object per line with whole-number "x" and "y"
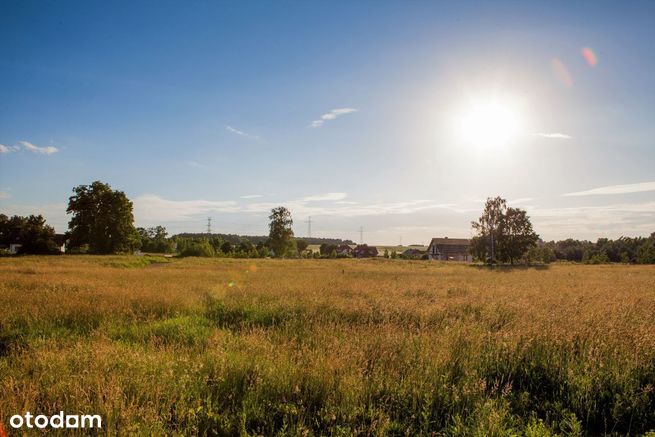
{"x": 413, "y": 253}
{"x": 365, "y": 251}
{"x": 344, "y": 250}
{"x": 450, "y": 249}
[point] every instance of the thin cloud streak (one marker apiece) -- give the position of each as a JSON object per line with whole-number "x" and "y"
{"x": 47, "y": 150}
{"x": 252, "y": 196}
{"x": 554, "y": 135}
{"x": 332, "y": 115}
{"x": 325, "y": 197}
{"x": 241, "y": 133}
{"x": 26, "y": 145}
{"x": 640, "y": 187}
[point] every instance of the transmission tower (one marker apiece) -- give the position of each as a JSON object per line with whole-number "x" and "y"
{"x": 361, "y": 235}
{"x": 209, "y": 225}
{"x": 309, "y": 227}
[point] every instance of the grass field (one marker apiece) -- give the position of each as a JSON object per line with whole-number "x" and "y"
{"x": 328, "y": 347}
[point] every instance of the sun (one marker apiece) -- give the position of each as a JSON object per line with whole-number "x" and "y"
{"x": 488, "y": 124}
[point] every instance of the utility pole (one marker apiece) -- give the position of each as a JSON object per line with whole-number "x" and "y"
{"x": 209, "y": 225}
{"x": 361, "y": 235}
{"x": 401, "y": 240}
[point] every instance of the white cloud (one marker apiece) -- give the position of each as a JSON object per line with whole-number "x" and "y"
{"x": 4, "y": 195}
{"x": 252, "y": 196}
{"x": 47, "y": 150}
{"x": 241, "y": 133}
{"x": 153, "y": 208}
{"x": 8, "y": 149}
{"x": 520, "y": 201}
{"x": 591, "y": 222}
{"x": 324, "y": 197}
{"x": 332, "y": 115}
{"x": 616, "y": 189}
{"x": 554, "y": 135}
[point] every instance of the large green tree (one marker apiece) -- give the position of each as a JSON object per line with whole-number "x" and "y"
{"x": 280, "y": 237}
{"x": 102, "y": 219}
{"x": 155, "y": 240}
{"x": 504, "y": 233}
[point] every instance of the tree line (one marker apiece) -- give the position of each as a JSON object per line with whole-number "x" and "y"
{"x": 102, "y": 222}
{"x": 505, "y": 235}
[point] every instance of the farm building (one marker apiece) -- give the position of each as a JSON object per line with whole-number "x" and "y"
{"x": 365, "y": 251}
{"x": 344, "y": 249}
{"x": 450, "y": 249}
{"x": 413, "y": 253}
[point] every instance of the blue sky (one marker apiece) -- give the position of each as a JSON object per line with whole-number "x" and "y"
{"x": 348, "y": 112}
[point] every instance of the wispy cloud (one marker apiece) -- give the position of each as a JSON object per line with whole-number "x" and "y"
{"x": 325, "y": 197}
{"x": 591, "y": 222}
{"x": 520, "y": 201}
{"x": 196, "y": 164}
{"x": 554, "y": 135}
{"x": 616, "y": 189}
{"x": 4, "y": 195}
{"x": 252, "y": 196}
{"x": 153, "y": 208}
{"x": 332, "y": 115}
{"x": 26, "y": 145}
{"x": 8, "y": 149}
{"x": 241, "y": 133}
{"x": 47, "y": 150}
{"x": 156, "y": 209}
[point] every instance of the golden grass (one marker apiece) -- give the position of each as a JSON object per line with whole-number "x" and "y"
{"x": 339, "y": 347}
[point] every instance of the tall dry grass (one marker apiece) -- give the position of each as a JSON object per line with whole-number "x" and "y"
{"x": 329, "y": 347}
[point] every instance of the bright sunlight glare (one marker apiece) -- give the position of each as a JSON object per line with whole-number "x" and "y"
{"x": 488, "y": 124}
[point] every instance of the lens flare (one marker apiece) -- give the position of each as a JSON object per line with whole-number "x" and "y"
{"x": 561, "y": 72}
{"x": 589, "y": 56}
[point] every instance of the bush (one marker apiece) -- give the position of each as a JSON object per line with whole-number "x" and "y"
{"x": 198, "y": 248}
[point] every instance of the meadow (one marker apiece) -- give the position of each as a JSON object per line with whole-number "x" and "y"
{"x": 328, "y": 347}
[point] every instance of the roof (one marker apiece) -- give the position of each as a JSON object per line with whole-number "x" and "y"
{"x": 412, "y": 251}
{"x": 364, "y": 248}
{"x": 450, "y": 242}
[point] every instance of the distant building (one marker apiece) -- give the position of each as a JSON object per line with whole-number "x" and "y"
{"x": 365, "y": 251}
{"x": 450, "y": 249}
{"x": 344, "y": 249}
{"x": 413, "y": 253}
{"x": 61, "y": 240}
